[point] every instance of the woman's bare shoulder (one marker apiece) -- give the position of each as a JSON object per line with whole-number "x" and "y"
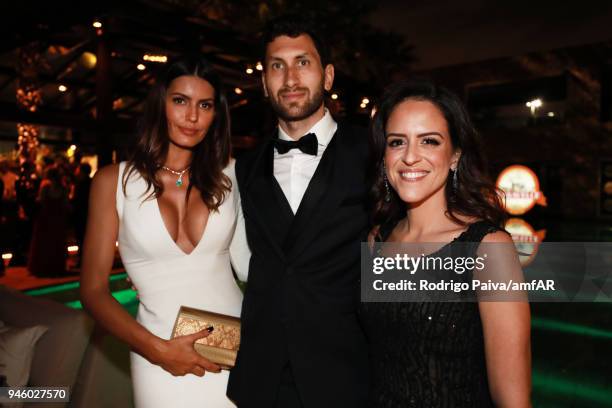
{"x": 498, "y": 236}
{"x": 105, "y": 179}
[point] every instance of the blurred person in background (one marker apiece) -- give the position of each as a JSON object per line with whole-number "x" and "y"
{"x": 9, "y": 178}
{"x": 47, "y": 255}
{"x": 80, "y": 199}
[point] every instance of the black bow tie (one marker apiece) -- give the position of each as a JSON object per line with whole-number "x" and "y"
{"x": 307, "y": 144}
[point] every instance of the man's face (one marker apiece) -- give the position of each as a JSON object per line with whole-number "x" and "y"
{"x": 294, "y": 78}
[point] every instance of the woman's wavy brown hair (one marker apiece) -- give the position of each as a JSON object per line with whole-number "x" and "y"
{"x": 474, "y": 196}
{"x": 210, "y": 156}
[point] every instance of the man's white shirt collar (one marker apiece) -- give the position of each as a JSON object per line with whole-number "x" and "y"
{"x": 324, "y": 129}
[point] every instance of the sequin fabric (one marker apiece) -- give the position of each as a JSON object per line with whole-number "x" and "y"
{"x": 428, "y": 354}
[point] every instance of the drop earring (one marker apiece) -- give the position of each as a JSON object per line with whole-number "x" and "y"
{"x": 455, "y": 171}
{"x": 387, "y": 189}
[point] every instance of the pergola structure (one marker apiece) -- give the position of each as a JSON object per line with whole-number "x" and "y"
{"x": 91, "y": 66}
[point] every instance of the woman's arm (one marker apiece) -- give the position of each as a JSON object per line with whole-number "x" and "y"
{"x": 507, "y": 334}
{"x": 176, "y": 356}
{"x": 240, "y": 254}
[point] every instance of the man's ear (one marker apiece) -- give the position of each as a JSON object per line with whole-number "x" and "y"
{"x": 329, "y": 77}
{"x": 263, "y": 84}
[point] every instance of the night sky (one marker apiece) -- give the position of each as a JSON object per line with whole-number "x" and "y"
{"x": 448, "y": 32}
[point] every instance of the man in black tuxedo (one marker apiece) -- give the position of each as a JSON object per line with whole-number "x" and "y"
{"x": 303, "y": 195}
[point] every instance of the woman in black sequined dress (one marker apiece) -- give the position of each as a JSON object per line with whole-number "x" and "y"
{"x": 430, "y": 186}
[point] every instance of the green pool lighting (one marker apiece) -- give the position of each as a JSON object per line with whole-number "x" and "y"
{"x": 572, "y": 328}
{"x": 67, "y": 286}
{"x": 125, "y": 297}
{"x": 555, "y": 385}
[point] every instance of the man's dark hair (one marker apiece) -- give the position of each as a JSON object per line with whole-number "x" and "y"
{"x": 293, "y": 25}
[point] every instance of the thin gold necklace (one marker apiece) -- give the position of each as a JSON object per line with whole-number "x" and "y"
{"x": 179, "y": 180}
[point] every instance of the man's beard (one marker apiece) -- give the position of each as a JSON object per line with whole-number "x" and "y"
{"x": 291, "y": 114}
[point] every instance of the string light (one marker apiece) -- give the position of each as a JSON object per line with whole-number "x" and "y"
{"x": 29, "y": 97}
{"x": 6, "y": 259}
{"x": 141, "y": 67}
{"x": 534, "y": 105}
{"x": 155, "y": 58}
{"x": 238, "y": 91}
{"x": 62, "y": 88}
{"x": 258, "y": 66}
{"x": 334, "y": 96}
{"x": 249, "y": 70}
{"x": 97, "y": 24}
{"x": 89, "y": 60}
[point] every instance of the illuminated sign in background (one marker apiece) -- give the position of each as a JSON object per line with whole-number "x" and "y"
{"x": 522, "y": 189}
{"x": 526, "y": 239}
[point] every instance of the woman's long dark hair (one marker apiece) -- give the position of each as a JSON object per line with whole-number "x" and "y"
{"x": 210, "y": 156}
{"x": 474, "y": 196}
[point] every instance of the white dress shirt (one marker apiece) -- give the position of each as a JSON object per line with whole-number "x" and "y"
{"x": 294, "y": 169}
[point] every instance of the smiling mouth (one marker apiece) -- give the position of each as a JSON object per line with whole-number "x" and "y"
{"x": 413, "y": 175}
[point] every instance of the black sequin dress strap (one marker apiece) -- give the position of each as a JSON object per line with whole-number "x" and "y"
{"x": 474, "y": 233}
{"x": 472, "y": 237}
{"x": 477, "y": 231}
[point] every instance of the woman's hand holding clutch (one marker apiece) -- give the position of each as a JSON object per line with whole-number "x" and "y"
{"x": 178, "y": 356}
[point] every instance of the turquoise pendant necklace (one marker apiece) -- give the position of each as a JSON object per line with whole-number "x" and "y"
{"x": 179, "y": 180}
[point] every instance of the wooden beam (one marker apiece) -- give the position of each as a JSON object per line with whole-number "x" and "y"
{"x": 104, "y": 99}
{"x": 47, "y": 117}
{"x": 76, "y": 52}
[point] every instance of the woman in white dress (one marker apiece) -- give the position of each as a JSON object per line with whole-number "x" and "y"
{"x": 175, "y": 210}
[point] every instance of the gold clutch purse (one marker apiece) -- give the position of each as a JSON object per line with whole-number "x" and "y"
{"x": 221, "y": 346}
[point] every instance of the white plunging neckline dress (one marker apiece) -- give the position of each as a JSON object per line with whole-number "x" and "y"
{"x": 168, "y": 278}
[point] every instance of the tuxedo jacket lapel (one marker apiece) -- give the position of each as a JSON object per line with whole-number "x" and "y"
{"x": 319, "y": 198}
{"x": 267, "y": 201}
